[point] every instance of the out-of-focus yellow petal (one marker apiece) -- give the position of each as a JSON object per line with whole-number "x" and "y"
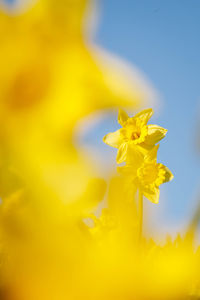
{"x": 128, "y": 170}
{"x": 155, "y": 134}
{"x": 122, "y": 117}
{"x": 125, "y": 211}
{"x": 144, "y": 115}
{"x": 114, "y": 139}
{"x": 125, "y": 87}
{"x": 122, "y": 152}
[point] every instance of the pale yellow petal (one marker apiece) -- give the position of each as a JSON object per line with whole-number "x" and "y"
{"x": 155, "y": 134}
{"x": 122, "y": 117}
{"x": 152, "y": 154}
{"x": 144, "y": 115}
{"x": 114, "y": 139}
{"x": 122, "y": 153}
{"x": 152, "y": 194}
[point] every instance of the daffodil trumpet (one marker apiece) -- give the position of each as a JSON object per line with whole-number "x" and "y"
{"x": 144, "y": 173}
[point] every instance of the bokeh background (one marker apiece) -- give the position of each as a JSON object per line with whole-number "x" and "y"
{"x": 161, "y": 39}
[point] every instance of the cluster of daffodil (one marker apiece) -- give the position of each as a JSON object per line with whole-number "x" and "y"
{"x": 136, "y": 142}
{"x": 55, "y": 244}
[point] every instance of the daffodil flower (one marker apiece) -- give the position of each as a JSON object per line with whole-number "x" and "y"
{"x": 134, "y": 133}
{"x": 146, "y": 174}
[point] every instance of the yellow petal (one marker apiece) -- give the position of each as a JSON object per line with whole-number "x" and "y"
{"x": 122, "y": 117}
{"x": 113, "y": 139}
{"x": 122, "y": 153}
{"x": 155, "y": 134}
{"x": 135, "y": 155}
{"x": 152, "y": 194}
{"x": 168, "y": 174}
{"x": 152, "y": 154}
{"x": 144, "y": 115}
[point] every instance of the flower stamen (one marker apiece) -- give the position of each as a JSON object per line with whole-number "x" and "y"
{"x": 135, "y": 135}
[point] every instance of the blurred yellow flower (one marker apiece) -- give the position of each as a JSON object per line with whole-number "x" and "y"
{"x": 55, "y": 67}
{"x": 146, "y": 174}
{"x": 134, "y": 132}
{"x": 52, "y": 76}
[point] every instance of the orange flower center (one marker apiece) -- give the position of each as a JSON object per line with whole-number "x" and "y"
{"x": 135, "y": 135}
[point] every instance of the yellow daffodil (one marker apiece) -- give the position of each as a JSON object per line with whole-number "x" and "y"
{"x": 146, "y": 174}
{"x": 134, "y": 132}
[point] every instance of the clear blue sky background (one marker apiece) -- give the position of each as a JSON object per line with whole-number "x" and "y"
{"x": 162, "y": 38}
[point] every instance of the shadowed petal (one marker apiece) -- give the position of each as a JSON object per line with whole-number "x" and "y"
{"x": 168, "y": 174}
{"x": 152, "y": 154}
{"x": 135, "y": 155}
{"x": 122, "y": 153}
{"x": 152, "y": 195}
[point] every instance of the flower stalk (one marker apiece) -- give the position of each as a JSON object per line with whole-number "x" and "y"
{"x": 140, "y": 213}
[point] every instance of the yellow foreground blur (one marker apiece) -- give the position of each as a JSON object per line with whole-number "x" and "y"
{"x": 52, "y": 246}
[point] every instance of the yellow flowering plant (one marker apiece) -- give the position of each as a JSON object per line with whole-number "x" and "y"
{"x": 136, "y": 142}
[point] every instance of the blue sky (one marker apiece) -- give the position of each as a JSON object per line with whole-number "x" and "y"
{"x": 162, "y": 39}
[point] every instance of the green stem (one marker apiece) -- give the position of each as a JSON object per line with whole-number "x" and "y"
{"x": 140, "y": 213}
